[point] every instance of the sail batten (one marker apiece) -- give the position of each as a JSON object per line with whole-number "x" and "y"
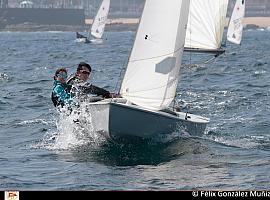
{"x": 206, "y": 23}
{"x": 152, "y": 72}
{"x": 100, "y": 20}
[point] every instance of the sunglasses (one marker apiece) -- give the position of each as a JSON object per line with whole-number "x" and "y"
{"x": 85, "y": 72}
{"x": 62, "y": 75}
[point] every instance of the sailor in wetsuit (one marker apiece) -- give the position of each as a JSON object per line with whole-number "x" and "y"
{"x": 61, "y": 91}
{"x": 80, "y": 86}
{"x": 78, "y": 35}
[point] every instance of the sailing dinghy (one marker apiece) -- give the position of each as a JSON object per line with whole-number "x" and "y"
{"x": 149, "y": 85}
{"x": 98, "y": 26}
{"x": 235, "y": 28}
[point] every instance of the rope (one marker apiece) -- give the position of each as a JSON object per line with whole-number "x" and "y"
{"x": 119, "y": 77}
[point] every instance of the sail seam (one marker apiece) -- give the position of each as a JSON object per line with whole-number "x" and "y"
{"x": 150, "y": 98}
{"x": 179, "y": 49}
{"x": 173, "y": 80}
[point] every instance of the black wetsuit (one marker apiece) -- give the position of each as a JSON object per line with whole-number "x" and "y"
{"x": 80, "y": 88}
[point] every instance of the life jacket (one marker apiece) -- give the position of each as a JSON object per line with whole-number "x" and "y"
{"x": 55, "y": 99}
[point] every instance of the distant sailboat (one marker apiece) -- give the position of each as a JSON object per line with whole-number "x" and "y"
{"x": 81, "y": 38}
{"x": 235, "y": 28}
{"x": 150, "y": 81}
{"x": 98, "y": 26}
{"x": 205, "y": 26}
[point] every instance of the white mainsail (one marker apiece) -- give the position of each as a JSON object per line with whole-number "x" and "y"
{"x": 100, "y": 20}
{"x": 235, "y": 27}
{"x": 206, "y": 24}
{"x": 153, "y": 69}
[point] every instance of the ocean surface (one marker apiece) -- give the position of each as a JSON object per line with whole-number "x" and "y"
{"x": 39, "y": 149}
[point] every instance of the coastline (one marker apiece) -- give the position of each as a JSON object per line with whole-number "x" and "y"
{"x": 116, "y": 24}
{"x": 261, "y": 22}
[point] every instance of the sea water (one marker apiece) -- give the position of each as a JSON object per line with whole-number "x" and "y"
{"x": 41, "y": 149}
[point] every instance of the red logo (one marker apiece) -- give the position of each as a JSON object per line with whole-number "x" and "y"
{"x": 11, "y": 195}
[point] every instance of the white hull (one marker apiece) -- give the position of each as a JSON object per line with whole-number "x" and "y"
{"x": 96, "y": 41}
{"x": 82, "y": 40}
{"x": 85, "y": 40}
{"x": 117, "y": 119}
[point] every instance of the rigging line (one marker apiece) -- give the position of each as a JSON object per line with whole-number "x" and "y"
{"x": 198, "y": 64}
{"x": 179, "y": 49}
{"x": 207, "y": 71}
{"x": 210, "y": 60}
{"x": 205, "y": 62}
{"x": 227, "y": 26}
{"x": 189, "y": 71}
{"x": 119, "y": 77}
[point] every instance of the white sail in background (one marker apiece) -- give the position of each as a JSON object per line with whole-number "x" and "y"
{"x": 235, "y": 27}
{"x": 153, "y": 69}
{"x": 206, "y": 24}
{"x": 100, "y": 20}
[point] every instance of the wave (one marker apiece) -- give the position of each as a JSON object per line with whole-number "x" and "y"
{"x": 33, "y": 121}
{"x": 260, "y": 72}
{"x": 31, "y": 82}
{"x": 4, "y": 77}
{"x": 246, "y": 142}
{"x": 74, "y": 129}
{"x": 258, "y": 86}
